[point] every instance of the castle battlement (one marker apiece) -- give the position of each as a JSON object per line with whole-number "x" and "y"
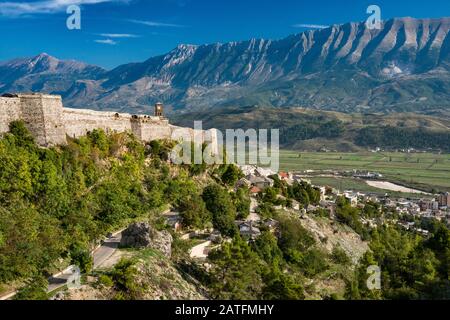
{"x": 51, "y": 123}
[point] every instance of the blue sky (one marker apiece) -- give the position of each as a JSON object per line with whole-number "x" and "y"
{"x": 120, "y": 31}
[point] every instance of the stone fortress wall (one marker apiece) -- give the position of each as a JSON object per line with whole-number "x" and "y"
{"x": 51, "y": 123}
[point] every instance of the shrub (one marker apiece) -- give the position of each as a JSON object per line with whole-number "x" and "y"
{"x": 35, "y": 289}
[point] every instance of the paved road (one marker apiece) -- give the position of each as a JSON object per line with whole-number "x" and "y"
{"x": 106, "y": 250}
{"x": 59, "y": 280}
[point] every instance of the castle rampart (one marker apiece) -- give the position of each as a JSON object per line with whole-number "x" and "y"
{"x": 51, "y": 123}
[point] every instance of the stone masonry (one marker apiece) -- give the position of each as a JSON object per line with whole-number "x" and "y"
{"x": 51, "y": 123}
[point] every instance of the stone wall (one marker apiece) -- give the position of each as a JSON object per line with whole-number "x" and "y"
{"x": 151, "y": 128}
{"x": 50, "y": 122}
{"x": 9, "y": 111}
{"x": 42, "y": 115}
{"x": 79, "y": 122}
{"x": 54, "y": 130}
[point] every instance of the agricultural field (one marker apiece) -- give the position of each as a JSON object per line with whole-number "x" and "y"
{"x": 425, "y": 171}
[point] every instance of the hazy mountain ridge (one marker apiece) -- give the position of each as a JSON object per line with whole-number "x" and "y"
{"x": 405, "y": 66}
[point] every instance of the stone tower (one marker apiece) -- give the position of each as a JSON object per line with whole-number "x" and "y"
{"x": 159, "y": 110}
{"x": 43, "y": 116}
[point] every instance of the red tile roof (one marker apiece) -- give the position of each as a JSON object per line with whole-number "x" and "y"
{"x": 255, "y": 190}
{"x": 284, "y": 175}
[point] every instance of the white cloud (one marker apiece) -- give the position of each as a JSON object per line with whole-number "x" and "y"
{"x": 310, "y": 26}
{"x": 18, "y": 8}
{"x": 118, "y": 35}
{"x": 107, "y": 41}
{"x": 156, "y": 24}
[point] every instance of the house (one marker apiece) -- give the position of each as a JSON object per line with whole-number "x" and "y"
{"x": 352, "y": 198}
{"x": 271, "y": 224}
{"x": 242, "y": 183}
{"x": 428, "y": 205}
{"x": 261, "y": 182}
{"x": 444, "y": 200}
{"x": 255, "y": 190}
{"x": 323, "y": 192}
{"x": 264, "y": 172}
{"x": 248, "y": 230}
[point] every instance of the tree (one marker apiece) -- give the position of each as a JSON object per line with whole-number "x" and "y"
{"x": 220, "y": 204}
{"x": 231, "y": 175}
{"x": 22, "y": 136}
{"x": 241, "y": 199}
{"x": 304, "y": 193}
{"x": 193, "y": 212}
{"x": 314, "y": 261}
{"x": 235, "y": 272}
{"x": 81, "y": 257}
{"x": 266, "y": 246}
{"x": 280, "y": 286}
{"x": 348, "y": 215}
{"x": 270, "y": 195}
{"x": 294, "y": 239}
{"x": 99, "y": 140}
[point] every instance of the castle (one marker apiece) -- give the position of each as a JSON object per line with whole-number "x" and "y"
{"x": 50, "y": 123}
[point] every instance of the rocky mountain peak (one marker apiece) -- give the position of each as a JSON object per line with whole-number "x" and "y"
{"x": 405, "y": 64}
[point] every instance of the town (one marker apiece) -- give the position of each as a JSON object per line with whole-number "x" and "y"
{"x": 404, "y": 212}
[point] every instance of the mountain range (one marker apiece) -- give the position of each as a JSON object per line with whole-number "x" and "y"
{"x": 402, "y": 67}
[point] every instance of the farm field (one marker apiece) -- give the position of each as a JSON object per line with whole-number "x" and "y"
{"x": 424, "y": 171}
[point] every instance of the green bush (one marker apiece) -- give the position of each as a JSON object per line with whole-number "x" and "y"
{"x": 105, "y": 280}
{"x": 339, "y": 256}
{"x": 81, "y": 257}
{"x": 314, "y": 261}
{"x": 124, "y": 277}
{"x": 35, "y": 289}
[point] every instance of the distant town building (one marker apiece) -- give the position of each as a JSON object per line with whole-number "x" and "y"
{"x": 255, "y": 190}
{"x": 242, "y": 183}
{"x": 429, "y": 205}
{"x": 248, "y": 230}
{"x": 261, "y": 182}
{"x": 444, "y": 200}
{"x": 352, "y": 198}
{"x": 284, "y": 175}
